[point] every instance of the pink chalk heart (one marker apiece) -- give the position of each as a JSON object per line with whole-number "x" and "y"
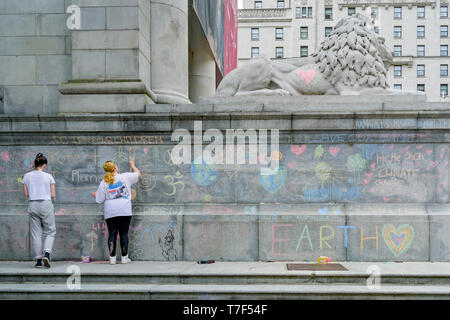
{"x": 434, "y": 163}
{"x": 366, "y": 181}
{"x": 386, "y": 199}
{"x": 369, "y": 175}
{"x": 145, "y": 150}
{"x": 373, "y": 165}
{"x": 307, "y": 76}
{"x": 298, "y": 150}
{"x": 334, "y": 151}
{"x": 419, "y": 147}
{"x": 6, "y": 156}
{"x": 372, "y": 190}
{"x": 429, "y": 151}
{"x": 291, "y": 165}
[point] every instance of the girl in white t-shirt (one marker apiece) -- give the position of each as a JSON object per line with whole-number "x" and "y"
{"x": 39, "y": 187}
{"x": 115, "y": 192}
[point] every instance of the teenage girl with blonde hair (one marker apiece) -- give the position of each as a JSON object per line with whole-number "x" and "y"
{"x": 115, "y": 192}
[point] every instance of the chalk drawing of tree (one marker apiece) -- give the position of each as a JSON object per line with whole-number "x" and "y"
{"x": 356, "y": 164}
{"x": 323, "y": 172}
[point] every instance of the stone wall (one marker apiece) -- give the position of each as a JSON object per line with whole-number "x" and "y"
{"x": 35, "y": 54}
{"x": 367, "y": 186}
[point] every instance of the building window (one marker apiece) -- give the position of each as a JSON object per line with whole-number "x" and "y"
{"x": 421, "y": 12}
{"x": 255, "y": 34}
{"x": 303, "y": 51}
{"x": 328, "y": 13}
{"x": 280, "y": 4}
{"x": 421, "y": 51}
{"x": 258, "y": 4}
{"x": 397, "y": 12}
{"x": 444, "y": 11}
{"x": 328, "y": 30}
{"x": 351, "y": 11}
{"x": 420, "y": 31}
{"x": 421, "y": 87}
{"x": 374, "y": 12}
{"x": 303, "y": 32}
{"x": 444, "y": 31}
{"x": 444, "y": 70}
{"x": 421, "y": 70}
{"x": 397, "y": 86}
{"x": 397, "y": 51}
{"x": 444, "y": 90}
{"x": 397, "y": 32}
{"x": 298, "y": 13}
{"x": 255, "y": 52}
{"x": 279, "y": 52}
{"x": 310, "y": 12}
{"x": 397, "y": 71}
{"x": 279, "y": 33}
{"x": 444, "y": 50}
{"x": 376, "y": 30}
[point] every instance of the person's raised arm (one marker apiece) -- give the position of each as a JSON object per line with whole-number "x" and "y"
{"x": 134, "y": 169}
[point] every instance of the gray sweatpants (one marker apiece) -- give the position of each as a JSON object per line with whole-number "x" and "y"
{"x": 42, "y": 223}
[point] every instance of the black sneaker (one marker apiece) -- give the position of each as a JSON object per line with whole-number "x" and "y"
{"x": 38, "y": 263}
{"x": 46, "y": 260}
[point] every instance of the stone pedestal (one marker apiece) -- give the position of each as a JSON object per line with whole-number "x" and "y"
{"x": 110, "y": 59}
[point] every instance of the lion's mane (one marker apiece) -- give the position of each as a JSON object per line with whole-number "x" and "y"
{"x": 349, "y": 55}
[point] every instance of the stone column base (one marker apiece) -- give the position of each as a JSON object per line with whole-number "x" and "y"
{"x": 97, "y": 96}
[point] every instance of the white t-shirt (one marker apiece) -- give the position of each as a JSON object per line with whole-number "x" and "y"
{"x": 38, "y": 184}
{"x": 117, "y": 196}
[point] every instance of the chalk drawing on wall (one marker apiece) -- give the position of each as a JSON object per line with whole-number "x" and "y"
{"x": 204, "y": 174}
{"x": 272, "y": 180}
{"x": 398, "y": 239}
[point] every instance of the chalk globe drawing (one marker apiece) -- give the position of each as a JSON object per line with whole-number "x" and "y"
{"x": 273, "y": 180}
{"x": 204, "y": 174}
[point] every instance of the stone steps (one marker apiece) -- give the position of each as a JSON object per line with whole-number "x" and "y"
{"x": 223, "y": 291}
{"x": 223, "y": 280}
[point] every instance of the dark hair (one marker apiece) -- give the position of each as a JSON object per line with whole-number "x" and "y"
{"x": 40, "y": 160}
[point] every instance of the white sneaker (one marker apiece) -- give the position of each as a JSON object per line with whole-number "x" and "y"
{"x": 125, "y": 259}
{"x": 112, "y": 260}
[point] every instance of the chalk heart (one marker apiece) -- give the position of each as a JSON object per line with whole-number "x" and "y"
{"x": 307, "y": 75}
{"x": 298, "y": 150}
{"x": 398, "y": 239}
{"x": 334, "y": 151}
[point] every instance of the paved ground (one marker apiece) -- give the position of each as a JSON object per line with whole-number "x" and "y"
{"x": 224, "y": 268}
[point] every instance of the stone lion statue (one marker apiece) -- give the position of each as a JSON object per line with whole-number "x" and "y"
{"x": 352, "y": 60}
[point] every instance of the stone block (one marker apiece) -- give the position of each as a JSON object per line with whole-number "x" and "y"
{"x": 51, "y": 25}
{"x": 17, "y": 25}
{"x": 24, "y": 99}
{"x": 35, "y": 45}
{"x": 31, "y": 6}
{"x": 95, "y": 40}
{"x": 93, "y": 18}
{"x": 53, "y": 69}
{"x": 301, "y": 232}
{"x": 122, "y": 64}
{"x": 156, "y": 237}
{"x": 68, "y": 49}
{"x": 388, "y": 233}
{"x": 105, "y": 3}
{"x": 106, "y": 103}
{"x": 15, "y": 240}
{"x": 2, "y": 46}
{"x": 222, "y": 238}
{"x": 123, "y": 18}
{"x": 51, "y": 100}
{"x": 88, "y": 64}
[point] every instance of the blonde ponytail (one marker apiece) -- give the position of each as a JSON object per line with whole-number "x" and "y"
{"x": 108, "y": 166}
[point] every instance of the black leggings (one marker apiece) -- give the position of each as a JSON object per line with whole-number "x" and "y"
{"x": 118, "y": 225}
